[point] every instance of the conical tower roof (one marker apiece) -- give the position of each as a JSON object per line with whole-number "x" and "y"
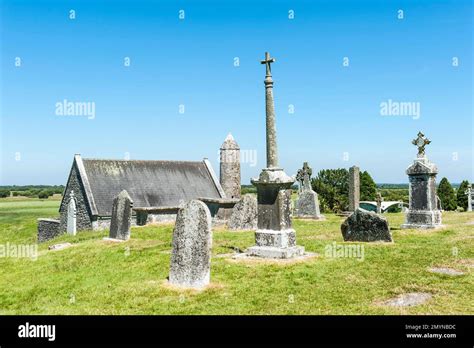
{"x": 229, "y": 143}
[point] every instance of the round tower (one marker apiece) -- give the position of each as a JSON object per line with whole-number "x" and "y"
{"x": 230, "y": 167}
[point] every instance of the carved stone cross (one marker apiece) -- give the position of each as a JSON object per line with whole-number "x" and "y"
{"x": 303, "y": 176}
{"x": 268, "y": 61}
{"x": 421, "y": 141}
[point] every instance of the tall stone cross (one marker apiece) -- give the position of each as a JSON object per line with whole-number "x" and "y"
{"x": 272, "y": 151}
{"x": 468, "y": 192}
{"x": 421, "y": 141}
{"x": 303, "y": 176}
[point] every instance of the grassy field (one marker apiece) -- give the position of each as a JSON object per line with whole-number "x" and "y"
{"x": 98, "y": 277}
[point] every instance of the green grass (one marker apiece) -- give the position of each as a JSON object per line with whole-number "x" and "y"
{"x": 97, "y": 277}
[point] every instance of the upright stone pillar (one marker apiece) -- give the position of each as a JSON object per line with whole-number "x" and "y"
{"x": 121, "y": 220}
{"x": 275, "y": 236}
{"x": 469, "y": 197}
{"x": 354, "y": 188}
{"x": 423, "y": 210}
{"x": 230, "y": 167}
{"x": 71, "y": 215}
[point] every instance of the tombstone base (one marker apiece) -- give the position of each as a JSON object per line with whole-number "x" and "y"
{"x": 423, "y": 219}
{"x": 269, "y": 252}
{"x": 108, "y": 239}
{"x": 311, "y": 217}
{"x": 275, "y": 244}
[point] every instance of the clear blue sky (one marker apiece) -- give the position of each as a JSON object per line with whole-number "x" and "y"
{"x": 191, "y": 62}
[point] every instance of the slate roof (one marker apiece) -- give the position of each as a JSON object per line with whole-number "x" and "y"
{"x": 149, "y": 183}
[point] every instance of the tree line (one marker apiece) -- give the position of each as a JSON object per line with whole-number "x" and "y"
{"x": 31, "y": 191}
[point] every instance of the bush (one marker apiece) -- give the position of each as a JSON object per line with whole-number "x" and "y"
{"x": 4, "y": 193}
{"x": 44, "y": 194}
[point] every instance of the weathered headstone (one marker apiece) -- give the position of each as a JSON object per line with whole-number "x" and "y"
{"x": 365, "y": 226}
{"x": 71, "y": 215}
{"x": 121, "y": 216}
{"x": 275, "y": 236}
{"x": 379, "y": 200}
{"x": 354, "y": 188}
{"x": 192, "y": 241}
{"x": 423, "y": 209}
{"x": 244, "y": 214}
{"x": 307, "y": 204}
{"x": 468, "y": 192}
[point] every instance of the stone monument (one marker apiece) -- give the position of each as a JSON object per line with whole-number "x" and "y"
{"x": 307, "y": 204}
{"x": 423, "y": 210}
{"x": 121, "y": 220}
{"x": 71, "y": 215}
{"x": 379, "y": 200}
{"x": 192, "y": 240}
{"x": 354, "y": 188}
{"x": 230, "y": 167}
{"x": 244, "y": 214}
{"x": 274, "y": 237}
{"x": 468, "y": 192}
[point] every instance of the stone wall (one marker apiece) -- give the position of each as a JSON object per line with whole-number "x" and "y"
{"x": 83, "y": 220}
{"x": 48, "y": 229}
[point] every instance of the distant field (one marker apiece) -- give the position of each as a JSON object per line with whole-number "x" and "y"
{"x": 96, "y": 277}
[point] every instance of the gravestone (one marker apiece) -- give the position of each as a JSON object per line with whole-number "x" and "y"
{"x": 379, "y": 200}
{"x": 307, "y": 204}
{"x": 365, "y": 226}
{"x": 71, "y": 215}
{"x": 354, "y": 188}
{"x": 244, "y": 214}
{"x": 121, "y": 216}
{"x": 275, "y": 236}
{"x": 192, "y": 241}
{"x": 468, "y": 192}
{"x": 423, "y": 211}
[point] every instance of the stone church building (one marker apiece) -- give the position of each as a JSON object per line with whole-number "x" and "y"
{"x": 152, "y": 185}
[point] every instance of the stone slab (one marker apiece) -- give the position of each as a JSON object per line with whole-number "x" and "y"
{"x": 274, "y": 252}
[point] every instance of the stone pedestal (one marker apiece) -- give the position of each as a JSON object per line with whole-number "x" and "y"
{"x": 423, "y": 211}
{"x": 274, "y": 237}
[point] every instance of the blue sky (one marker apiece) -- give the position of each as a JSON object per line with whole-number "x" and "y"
{"x": 190, "y": 62}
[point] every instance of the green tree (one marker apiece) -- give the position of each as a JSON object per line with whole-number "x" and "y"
{"x": 461, "y": 196}
{"x": 332, "y": 188}
{"x": 4, "y": 193}
{"x": 368, "y": 188}
{"x": 446, "y": 195}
